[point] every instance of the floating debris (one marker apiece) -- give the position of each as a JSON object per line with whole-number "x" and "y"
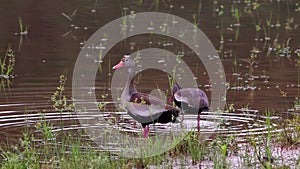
{"x": 243, "y": 88}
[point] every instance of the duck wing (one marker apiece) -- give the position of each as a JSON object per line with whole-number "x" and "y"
{"x": 193, "y": 97}
{"x": 146, "y": 108}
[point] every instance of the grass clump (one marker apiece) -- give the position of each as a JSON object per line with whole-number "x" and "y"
{"x": 71, "y": 150}
{"x": 54, "y": 152}
{"x": 18, "y": 157}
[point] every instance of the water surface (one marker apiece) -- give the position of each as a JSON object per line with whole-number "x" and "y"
{"x": 262, "y": 69}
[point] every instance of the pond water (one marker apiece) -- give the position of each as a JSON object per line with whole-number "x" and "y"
{"x": 258, "y": 43}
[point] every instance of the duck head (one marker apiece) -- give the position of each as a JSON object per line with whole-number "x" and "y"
{"x": 126, "y": 62}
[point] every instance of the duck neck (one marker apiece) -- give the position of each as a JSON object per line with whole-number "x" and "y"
{"x": 129, "y": 89}
{"x": 175, "y": 88}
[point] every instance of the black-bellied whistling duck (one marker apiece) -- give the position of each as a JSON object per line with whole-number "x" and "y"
{"x": 144, "y": 108}
{"x": 190, "y": 100}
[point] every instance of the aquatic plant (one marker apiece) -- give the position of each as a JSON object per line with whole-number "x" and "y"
{"x": 230, "y": 108}
{"x": 71, "y": 18}
{"x": 23, "y": 32}
{"x": 102, "y": 103}
{"x": 7, "y": 64}
{"x": 220, "y": 12}
{"x": 290, "y": 136}
{"x": 70, "y": 151}
{"x": 52, "y": 149}
{"x": 297, "y": 9}
{"x": 199, "y": 10}
{"x": 23, "y": 156}
{"x": 155, "y": 3}
{"x": 268, "y": 151}
{"x": 236, "y": 14}
{"x": 23, "y": 29}
{"x": 267, "y": 29}
{"x": 60, "y": 101}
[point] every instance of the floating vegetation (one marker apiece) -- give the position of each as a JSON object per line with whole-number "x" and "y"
{"x": 23, "y": 28}
{"x": 282, "y": 50}
{"x": 23, "y": 32}
{"x": 73, "y": 25}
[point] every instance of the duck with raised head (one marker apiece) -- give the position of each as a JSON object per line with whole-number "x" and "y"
{"x": 144, "y": 108}
{"x": 190, "y": 100}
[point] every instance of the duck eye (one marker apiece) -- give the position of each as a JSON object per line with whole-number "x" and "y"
{"x": 126, "y": 60}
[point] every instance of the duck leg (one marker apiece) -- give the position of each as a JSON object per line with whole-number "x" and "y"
{"x": 198, "y": 123}
{"x": 146, "y": 131}
{"x": 134, "y": 124}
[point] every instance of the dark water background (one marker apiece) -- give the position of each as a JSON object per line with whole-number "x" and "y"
{"x": 53, "y": 42}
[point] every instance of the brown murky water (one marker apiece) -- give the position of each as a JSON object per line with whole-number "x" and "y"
{"x": 261, "y": 62}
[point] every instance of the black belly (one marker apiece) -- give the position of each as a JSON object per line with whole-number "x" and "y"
{"x": 165, "y": 117}
{"x": 189, "y": 110}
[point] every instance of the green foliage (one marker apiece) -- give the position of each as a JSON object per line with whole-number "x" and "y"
{"x": 7, "y": 64}
{"x": 22, "y": 157}
{"x": 60, "y": 101}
